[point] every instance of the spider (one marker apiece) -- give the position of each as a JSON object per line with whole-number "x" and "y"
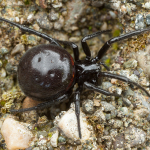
{"x": 48, "y": 73}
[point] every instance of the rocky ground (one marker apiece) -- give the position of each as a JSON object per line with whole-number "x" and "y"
{"x": 106, "y": 122}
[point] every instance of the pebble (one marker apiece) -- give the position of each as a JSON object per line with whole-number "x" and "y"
{"x": 17, "y": 49}
{"x": 106, "y": 85}
{"x": 148, "y": 19}
{"x": 146, "y": 5}
{"x": 143, "y": 59}
{"x": 142, "y": 112}
{"x": 59, "y": 24}
{"x": 124, "y": 111}
{"x": 16, "y": 135}
{"x": 139, "y": 22}
{"x": 61, "y": 139}
{"x": 100, "y": 116}
{"x": 53, "y": 15}
{"x": 43, "y": 133}
{"x": 74, "y": 39}
{"x": 4, "y": 51}
{"x": 57, "y": 5}
{"x": 2, "y": 73}
{"x": 88, "y": 106}
{"x": 68, "y": 125}
{"x": 54, "y": 138}
{"x": 117, "y": 124}
{"x": 134, "y": 136}
{"x": 42, "y": 20}
{"x": 1, "y": 63}
{"x": 126, "y": 101}
{"x": 119, "y": 141}
{"x": 29, "y": 102}
{"x": 131, "y": 63}
{"x": 107, "y": 106}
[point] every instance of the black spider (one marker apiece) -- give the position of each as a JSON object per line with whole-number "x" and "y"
{"x": 48, "y": 72}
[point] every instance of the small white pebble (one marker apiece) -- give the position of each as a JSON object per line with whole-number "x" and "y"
{"x": 15, "y": 134}
{"x": 17, "y": 19}
{"x": 68, "y": 124}
{"x": 54, "y": 139}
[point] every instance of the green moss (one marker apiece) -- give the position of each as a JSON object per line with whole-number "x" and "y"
{"x": 26, "y": 2}
{"x": 90, "y": 27}
{"x": 107, "y": 62}
{"x": 2, "y": 102}
{"x": 50, "y": 134}
{"x": 116, "y": 32}
{"x": 115, "y": 46}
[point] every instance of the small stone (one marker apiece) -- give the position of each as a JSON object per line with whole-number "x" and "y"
{"x": 53, "y": 15}
{"x": 17, "y": 49}
{"x": 106, "y": 85}
{"x": 134, "y": 136}
{"x": 36, "y": 148}
{"x": 1, "y": 63}
{"x": 59, "y": 24}
{"x": 61, "y": 139}
{"x": 58, "y": 5}
{"x": 142, "y": 112}
{"x": 100, "y": 116}
{"x": 126, "y": 101}
{"x": 148, "y": 19}
{"x": 54, "y": 138}
{"x": 4, "y": 51}
{"x": 124, "y": 110}
{"x": 117, "y": 124}
{"x": 119, "y": 141}
{"x": 16, "y": 135}
{"x": 68, "y": 125}
{"x": 2, "y": 73}
{"x": 88, "y": 106}
{"x": 96, "y": 102}
{"x": 43, "y": 21}
{"x": 131, "y": 63}
{"x": 107, "y": 106}
{"x": 139, "y": 22}
{"x": 29, "y": 102}
{"x": 146, "y": 5}
{"x": 74, "y": 39}
{"x": 43, "y": 133}
{"x": 108, "y": 116}
{"x": 49, "y": 146}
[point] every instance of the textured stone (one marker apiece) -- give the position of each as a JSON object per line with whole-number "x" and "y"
{"x": 16, "y": 135}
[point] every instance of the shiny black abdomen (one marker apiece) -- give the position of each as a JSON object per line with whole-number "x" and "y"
{"x": 45, "y": 72}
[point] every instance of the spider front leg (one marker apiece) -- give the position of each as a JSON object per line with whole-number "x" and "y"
{"x": 86, "y": 47}
{"x": 31, "y": 31}
{"x": 122, "y": 78}
{"x": 106, "y": 46}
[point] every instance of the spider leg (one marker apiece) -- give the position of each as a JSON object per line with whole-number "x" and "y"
{"x": 106, "y": 67}
{"x": 43, "y": 105}
{"x": 77, "y": 110}
{"x": 106, "y": 46}
{"x": 26, "y": 29}
{"x": 122, "y": 78}
{"x": 84, "y": 44}
{"x": 74, "y": 47}
{"x": 97, "y": 89}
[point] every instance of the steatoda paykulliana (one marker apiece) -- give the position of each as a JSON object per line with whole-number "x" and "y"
{"x": 48, "y": 73}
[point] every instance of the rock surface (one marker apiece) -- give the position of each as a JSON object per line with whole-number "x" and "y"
{"x": 16, "y": 135}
